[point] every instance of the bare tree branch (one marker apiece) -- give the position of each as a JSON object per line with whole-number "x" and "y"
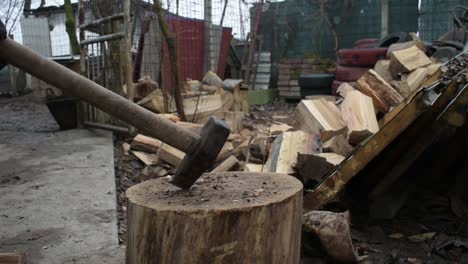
{"x": 10, "y": 11}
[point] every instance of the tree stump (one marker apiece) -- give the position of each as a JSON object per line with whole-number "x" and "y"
{"x": 232, "y": 217}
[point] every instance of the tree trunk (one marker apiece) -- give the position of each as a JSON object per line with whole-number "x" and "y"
{"x": 224, "y": 218}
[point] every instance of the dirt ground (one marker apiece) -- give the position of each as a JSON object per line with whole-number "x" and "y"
{"x": 49, "y": 210}
{"x": 25, "y": 114}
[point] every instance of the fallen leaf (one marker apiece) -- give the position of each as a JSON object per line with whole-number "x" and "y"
{"x": 414, "y": 261}
{"x": 396, "y": 236}
{"x": 422, "y": 237}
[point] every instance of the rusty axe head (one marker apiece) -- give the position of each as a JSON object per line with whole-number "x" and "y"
{"x": 212, "y": 138}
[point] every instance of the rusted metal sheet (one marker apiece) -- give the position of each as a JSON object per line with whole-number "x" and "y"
{"x": 191, "y": 48}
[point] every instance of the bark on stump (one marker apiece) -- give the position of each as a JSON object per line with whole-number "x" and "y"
{"x": 234, "y": 217}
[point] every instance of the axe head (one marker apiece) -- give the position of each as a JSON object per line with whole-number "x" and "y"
{"x": 212, "y": 138}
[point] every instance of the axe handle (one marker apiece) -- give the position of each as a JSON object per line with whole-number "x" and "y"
{"x": 55, "y": 74}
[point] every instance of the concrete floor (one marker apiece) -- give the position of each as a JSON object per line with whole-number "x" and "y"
{"x": 57, "y": 193}
{"x": 57, "y": 188}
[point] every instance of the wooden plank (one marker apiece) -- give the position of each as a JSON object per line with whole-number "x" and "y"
{"x": 384, "y": 96}
{"x": 320, "y": 117}
{"x": 364, "y": 154}
{"x": 12, "y": 258}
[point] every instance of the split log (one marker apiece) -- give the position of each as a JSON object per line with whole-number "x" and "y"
{"x": 208, "y": 88}
{"x": 432, "y": 68}
{"x": 147, "y": 159}
{"x": 413, "y": 81}
{"x": 344, "y": 88}
{"x": 277, "y": 128}
{"x": 191, "y": 85}
{"x": 151, "y": 172}
{"x": 234, "y": 120}
{"x": 315, "y": 167}
{"x": 196, "y": 128}
{"x": 165, "y": 152}
{"x": 240, "y": 150}
{"x": 382, "y": 67}
{"x": 125, "y": 148}
{"x": 330, "y": 98}
{"x": 405, "y": 45}
{"x": 197, "y": 105}
{"x": 407, "y": 60}
{"x": 230, "y": 164}
{"x": 359, "y": 115}
{"x": 171, "y": 117}
{"x": 285, "y": 148}
{"x": 145, "y": 86}
{"x": 212, "y": 78}
{"x": 334, "y": 233}
{"x": 319, "y": 117}
{"x": 252, "y": 167}
{"x": 259, "y": 149}
{"x": 339, "y": 145}
{"x": 382, "y": 93}
{"x": 229, "y": 217}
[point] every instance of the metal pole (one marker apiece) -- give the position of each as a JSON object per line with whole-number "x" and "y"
{"x": 208, "y": 17}
{"x": 384, "y": 28}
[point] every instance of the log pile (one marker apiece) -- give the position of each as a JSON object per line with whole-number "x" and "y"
{"x": 323, "y": 131}
{"x": 320, "y": 135}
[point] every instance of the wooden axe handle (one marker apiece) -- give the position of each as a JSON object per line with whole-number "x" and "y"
{"x": 55, "y": 74}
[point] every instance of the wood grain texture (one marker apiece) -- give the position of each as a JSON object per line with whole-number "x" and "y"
{"x": 382, "y": 67}
{"x": 359, "y": 115}
{"x": 163, "y": 151}
{"x": 382, "y": 93}
{"x": 320, "y": 117}
{"x": 248, "y": 218}
{"x": 407, "y": 60}
{"x": 285, "y": 149}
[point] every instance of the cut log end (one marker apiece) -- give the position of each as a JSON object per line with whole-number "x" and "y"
{"x": 224, "y": 217}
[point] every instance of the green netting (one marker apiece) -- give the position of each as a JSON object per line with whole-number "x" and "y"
{"x": 299, "y": 28}
{"x": 435, "y": 18}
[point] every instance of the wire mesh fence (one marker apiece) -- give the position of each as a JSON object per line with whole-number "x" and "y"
{"x": 436, "y": 17}
{"x": 217, "y": 35}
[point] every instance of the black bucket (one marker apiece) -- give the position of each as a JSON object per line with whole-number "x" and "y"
{"x": 64, "y": 110}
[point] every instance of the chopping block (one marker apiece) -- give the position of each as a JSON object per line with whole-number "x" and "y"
{"x": 201, "y": 150}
